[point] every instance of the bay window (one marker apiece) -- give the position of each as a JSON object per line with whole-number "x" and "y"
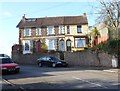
{"x": 80, "y": 42}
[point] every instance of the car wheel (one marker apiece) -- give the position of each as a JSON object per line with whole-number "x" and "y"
{"x": 54, "y": 65}
{"x": 39, "y": 64}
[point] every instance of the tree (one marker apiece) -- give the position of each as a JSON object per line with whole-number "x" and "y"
{"x": 110, "y": 15}
{"x": 95, "y": 34}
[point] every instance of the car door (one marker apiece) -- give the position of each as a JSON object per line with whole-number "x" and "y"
{"x": 49, "y": 61}
{"x": 43, "y": 60}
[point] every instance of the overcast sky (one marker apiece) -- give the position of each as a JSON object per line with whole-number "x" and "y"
{"x": 12, "y": 12}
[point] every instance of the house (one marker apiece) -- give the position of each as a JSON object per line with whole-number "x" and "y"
{"x": 65, "y": 33}
{"x": 103, "y": 34}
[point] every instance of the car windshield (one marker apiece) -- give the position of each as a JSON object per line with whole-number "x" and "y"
{"x": 55, "y": 59}
{"x": 6, "y": 60}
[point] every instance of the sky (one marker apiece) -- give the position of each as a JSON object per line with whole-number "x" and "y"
{"x": 11, "y": 13}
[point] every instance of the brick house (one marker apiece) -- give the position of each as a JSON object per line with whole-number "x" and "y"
{"x": 65, "y": 33}
{"x": 104, "y": 34}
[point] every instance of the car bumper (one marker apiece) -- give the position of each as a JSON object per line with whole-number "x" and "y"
{"x": 10, "y": 70}
{"x": 61, "y": 65}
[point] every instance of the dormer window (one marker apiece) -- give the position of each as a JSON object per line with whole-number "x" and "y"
{"x": 31, "y": 20}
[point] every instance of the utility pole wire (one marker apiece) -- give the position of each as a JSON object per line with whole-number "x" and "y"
{"x": 40, "y": 10}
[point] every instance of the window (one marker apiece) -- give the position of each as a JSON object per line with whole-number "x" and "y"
{"x": 38, "y": 31}
{"x": 27, "y": 32}
{"x": 79, "y": 30}
{"x": 42, "y": 58}
{"x": 80, "y": 42}
{"x": 26, "y": 47}
{"x": 68, "y": 29}
{"x": 50, "y": 30}
{"x": 31, "y": 20}
{"x": 61, "y": 29}
{"x": 48, "y": 59}
{"x": 51, "y": 44}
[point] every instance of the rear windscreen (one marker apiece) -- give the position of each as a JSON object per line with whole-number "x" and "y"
{"x": 6, "y": 60}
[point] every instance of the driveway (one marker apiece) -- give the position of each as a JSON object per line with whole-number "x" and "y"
{"x": 34, "y": 77}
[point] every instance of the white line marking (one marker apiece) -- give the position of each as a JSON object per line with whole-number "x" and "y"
{"x": 89, "y": 82}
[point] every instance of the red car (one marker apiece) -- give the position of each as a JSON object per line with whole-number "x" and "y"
{"x": 7, "y": 65}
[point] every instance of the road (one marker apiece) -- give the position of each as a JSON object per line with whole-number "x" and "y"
{"x": 34, "y": 77}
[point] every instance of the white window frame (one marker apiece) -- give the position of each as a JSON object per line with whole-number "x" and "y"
{"x": 49, "y": 31}
{"x": 38, "y": 31}
{"x": 61, "y": 29}
{"x": 68, "y": 29}
{"x": 82, "y": 42}
{"x": 51, "y": 44}
{"x": 25, "y": 32}
{"x": 79, "y": 27}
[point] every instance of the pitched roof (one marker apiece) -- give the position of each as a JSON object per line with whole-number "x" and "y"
{"x": 52, "y": 21}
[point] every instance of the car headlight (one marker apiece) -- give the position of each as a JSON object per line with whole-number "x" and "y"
{"x": 17, "y": 67}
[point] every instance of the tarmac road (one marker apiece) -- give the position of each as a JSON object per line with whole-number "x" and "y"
{"x": 33, "y": 77}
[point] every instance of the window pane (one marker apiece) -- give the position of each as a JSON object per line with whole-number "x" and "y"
{"x": 50, "y": 30}
{"x": 68, "y": 43}
{"x": 26, "y": 46}
{"x": 51, "y": 44}
{"x": 79, "y": 29}
{"x": 80, "y": 42}
{"x": 38, "y": 31}
{"x": 27, "y": 32}
{"x": 60, "y": 29}
{"x": 68, "y": 30}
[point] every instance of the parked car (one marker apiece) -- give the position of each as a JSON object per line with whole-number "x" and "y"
{"x": 7, "y": 65}
{"x": 51, "y": 61}
{"x": 4, "y": 55}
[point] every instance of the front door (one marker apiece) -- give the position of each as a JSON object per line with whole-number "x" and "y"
{"x": 68, "y": 44}
{"x": 62, "y": 45}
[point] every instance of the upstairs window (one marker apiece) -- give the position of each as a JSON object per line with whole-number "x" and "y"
{"x": 61, "y": 29}
{"x": 27, "y": 32}
{"x": 31, "y": 20}
{"x": 79, "y": 30}
{"x": 38, "y": 31}
{"x": 68, "y": 29}
{"x": 50, "y": 30}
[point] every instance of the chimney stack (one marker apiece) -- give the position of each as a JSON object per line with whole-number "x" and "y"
{"x": 84, "y": 14}
{"x": 23, "y": 18}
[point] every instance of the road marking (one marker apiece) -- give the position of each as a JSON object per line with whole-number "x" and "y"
{"x": 89, "y": 82}
{"x": 10, "y": 83}
{"x": 109, "y": 71}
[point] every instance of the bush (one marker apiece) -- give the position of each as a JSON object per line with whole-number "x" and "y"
{"x": 112, "y": 47}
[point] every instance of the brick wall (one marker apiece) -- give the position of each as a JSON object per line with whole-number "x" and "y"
{"x": 105, "y": 59}
{"x": 30, "y": 59}
{"x": 87, "y": 59}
